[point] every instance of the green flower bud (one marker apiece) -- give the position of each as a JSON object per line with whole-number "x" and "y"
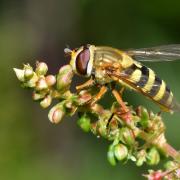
{"x": 41, "y": 68}
{"x": 102, "y": 128}
{"x": 28, "y": 72}
{"x": 153, "y": 156}
{"x": 127, "y": 136}
{"x": 50, "y": 80}
{"x": 120, "y": 152}
{"x": 170, "y": 165}
{"x": 57, "y": 113}
{"x": 19, "y": 74}
{"x": 41, "y": 84}
{"x": 84, "y": 122}
{"x": 110, "y": 155}
{"x": 144, "y": 117}
{"x": 141, "y": 157}
{"x": 64, "y": 78}
{"x": 46, "y": 102}
{"x": 32, "y": 82}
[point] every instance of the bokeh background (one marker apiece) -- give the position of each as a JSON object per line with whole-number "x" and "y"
{"x": 30, "y": 146}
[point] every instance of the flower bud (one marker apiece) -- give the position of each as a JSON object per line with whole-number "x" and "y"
{"x": 127, "y": 136}
{"x": 19, "y": 74}
{"x": 154, "y": 175}
{"x": 141, "y": 157}
{"x": 57, "y": 113}
{"x": 37, "y": 96}
{"x": 84, "y": 122}
{"x": 153, "y": 156}
{"x": 28, "y": 72}
{"x": 41, "y": 68}
{"x": 50, "y": 80}
{"x": 64, "y": 78}
{"x": 170, "y": 165}
{"x": 32, "y": 82}
{"x": 41, "y": 84}
{"x": 46, "y": 101}
{"x": 144, "y": 117}
{"x": 120, "y": 152}
{"x": 110, "y": 156}
{"x": 102, "y": 128}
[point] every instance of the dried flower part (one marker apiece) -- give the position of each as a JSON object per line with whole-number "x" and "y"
{"x": 41, "y": 68}
{"x": 64, "y": 78}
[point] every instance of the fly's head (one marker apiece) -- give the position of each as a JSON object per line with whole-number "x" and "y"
{"x": 82, "y": 60}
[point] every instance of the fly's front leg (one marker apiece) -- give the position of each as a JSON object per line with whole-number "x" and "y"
{"x": 99, "y": 95}
{"x": 85, "y": 85}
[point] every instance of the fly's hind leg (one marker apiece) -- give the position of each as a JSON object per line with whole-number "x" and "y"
{"x": 124, "y": 113}
{"x": 119, "y": 100}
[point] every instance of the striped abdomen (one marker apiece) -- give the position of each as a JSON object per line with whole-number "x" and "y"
{"x": 144, "y": 80}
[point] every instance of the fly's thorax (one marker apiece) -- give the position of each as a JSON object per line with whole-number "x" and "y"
{"x": 82, "y": 60}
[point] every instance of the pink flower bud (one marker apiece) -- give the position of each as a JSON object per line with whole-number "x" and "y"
{"x": 64, "y": 78}
{"x": 57, "y": 113}
{"x": 50, "y": 80}
{"x": 46, "y": 101}
{"x": 41, "y": 84}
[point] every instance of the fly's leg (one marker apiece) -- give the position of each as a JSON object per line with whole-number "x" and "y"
{"x": 124, "y": 113}
{"x": 87, "y": 84}
{"x": 99, "y": 95}
{"x": 119, "y": 100}
{"x": 122, "y": 90}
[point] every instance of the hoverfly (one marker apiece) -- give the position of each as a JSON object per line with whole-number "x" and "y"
{"x": 107, "y": 64}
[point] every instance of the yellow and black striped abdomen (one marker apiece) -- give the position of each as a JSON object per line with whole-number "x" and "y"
{"x": 144, "y": 80}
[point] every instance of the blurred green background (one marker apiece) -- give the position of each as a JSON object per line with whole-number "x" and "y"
{"x": 30, "y": 146}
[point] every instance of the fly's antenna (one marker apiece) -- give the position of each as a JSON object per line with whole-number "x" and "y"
{"x": 67, "y": 51}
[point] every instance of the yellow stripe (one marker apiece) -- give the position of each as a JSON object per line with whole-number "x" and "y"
{"x": 150, "y": 81}
{"x": 135, "y": 76}
{"x": 126, "y": 61}
{"x": 161, "y": 92}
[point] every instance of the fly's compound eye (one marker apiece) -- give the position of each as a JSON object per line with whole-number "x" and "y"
{"x": 82, "y": 61}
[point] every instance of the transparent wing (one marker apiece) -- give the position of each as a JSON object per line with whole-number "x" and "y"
{"x": 155, "y": 54}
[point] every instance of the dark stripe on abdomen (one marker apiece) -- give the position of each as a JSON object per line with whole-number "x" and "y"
{"x": 166, "y": 96}
{"x": 156, "y": 86}
{"x": 144, "y": 76}
{"x": 128, "y": 71}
